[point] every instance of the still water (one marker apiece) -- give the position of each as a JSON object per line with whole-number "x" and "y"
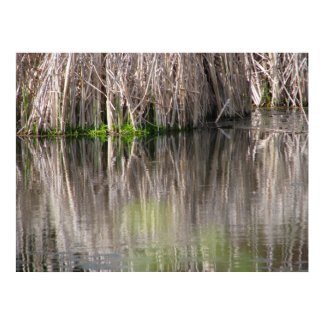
{"x": 220, "y": 199}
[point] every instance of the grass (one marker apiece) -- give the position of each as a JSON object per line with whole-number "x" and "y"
{"x": 126, "y": 132}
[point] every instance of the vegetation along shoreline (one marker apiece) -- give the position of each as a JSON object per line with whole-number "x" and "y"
{"x": 134, "y": 94}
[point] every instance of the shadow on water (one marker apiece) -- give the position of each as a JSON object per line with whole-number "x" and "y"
{"x": 214, "y": 200}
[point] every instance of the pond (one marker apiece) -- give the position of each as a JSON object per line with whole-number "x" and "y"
{"x": 232, "y": 198}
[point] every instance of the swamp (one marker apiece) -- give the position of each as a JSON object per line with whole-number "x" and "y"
{"x": 162, "y": 162}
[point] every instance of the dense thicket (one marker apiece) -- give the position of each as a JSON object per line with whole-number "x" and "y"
{"x": 74, "y": 90}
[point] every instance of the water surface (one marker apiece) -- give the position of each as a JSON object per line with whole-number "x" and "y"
{"x": 223, "y": 199}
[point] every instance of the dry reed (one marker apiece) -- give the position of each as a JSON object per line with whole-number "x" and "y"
{"x": 77, "y": 90}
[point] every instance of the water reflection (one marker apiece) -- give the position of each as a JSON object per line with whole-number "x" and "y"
{"x": 214, "y": 200}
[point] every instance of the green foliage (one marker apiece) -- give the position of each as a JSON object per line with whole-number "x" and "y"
{"x": 126, "y": 132}
{"x": 25, "y": 95}
{"x": 34, "y": 128}
{"x": 52, "y": 133}
{"x": 100, "y": 133}
{"x": 128, "y": 128}
{"x": 266, "y": 96}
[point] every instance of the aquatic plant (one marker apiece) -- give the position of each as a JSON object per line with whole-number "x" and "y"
{"x": 57, "y": 91}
